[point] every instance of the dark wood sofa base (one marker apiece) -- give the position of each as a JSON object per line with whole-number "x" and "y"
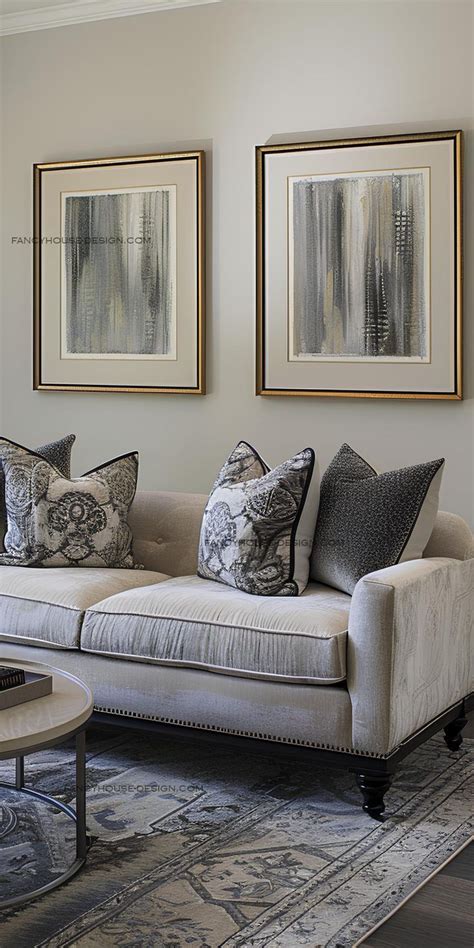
{"x": 374, "y": 775}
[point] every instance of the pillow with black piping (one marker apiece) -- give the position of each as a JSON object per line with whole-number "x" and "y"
{"x": 53, "y": 520}
{"x": 56, "y": 452}
{"x": 259, "y": 523}
{"x": 368, "y": 521}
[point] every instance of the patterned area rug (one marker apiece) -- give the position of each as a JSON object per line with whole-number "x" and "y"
{"x": 203, "y": 847}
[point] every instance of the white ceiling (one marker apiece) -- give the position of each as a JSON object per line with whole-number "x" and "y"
{"x": 20, "y": 16}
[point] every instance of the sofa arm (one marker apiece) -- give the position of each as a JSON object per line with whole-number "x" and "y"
{"x": 410, "y": 634}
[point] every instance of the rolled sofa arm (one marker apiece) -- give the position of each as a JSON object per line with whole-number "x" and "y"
{"x": 410, "y": 642}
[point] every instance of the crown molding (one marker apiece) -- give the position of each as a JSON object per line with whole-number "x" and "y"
{"x": 85, "y": 11}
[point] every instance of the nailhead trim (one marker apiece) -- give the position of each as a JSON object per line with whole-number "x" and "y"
{"x": 224, "y": 730}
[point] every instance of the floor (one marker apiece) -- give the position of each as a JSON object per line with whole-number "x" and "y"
{"x": 195, "y": 842}
{"x": 441, "y": 914}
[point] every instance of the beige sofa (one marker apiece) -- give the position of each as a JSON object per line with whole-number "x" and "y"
{"x": 358, "y": 680}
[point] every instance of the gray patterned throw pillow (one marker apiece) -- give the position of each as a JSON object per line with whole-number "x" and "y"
{"x": 56, "y": 452}
{"x": 258, "y": 524}
{"x": 55, "y": 521}
{"x": 243, "y": 464}
{"x": 368, "y": 521}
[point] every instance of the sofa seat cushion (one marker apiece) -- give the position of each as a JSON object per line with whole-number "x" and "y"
{"x": 202, "y": 624}
{"x": 47, "y": 606}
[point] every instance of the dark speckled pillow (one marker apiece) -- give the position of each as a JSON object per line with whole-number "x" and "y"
{"x": 368, "y": 521}
{"x": 57, "y": 453}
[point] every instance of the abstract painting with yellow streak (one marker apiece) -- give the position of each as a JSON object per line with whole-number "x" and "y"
{"x": 359, "y": 266}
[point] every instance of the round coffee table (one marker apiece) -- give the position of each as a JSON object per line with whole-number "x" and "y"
{"x": 37, "y": 725}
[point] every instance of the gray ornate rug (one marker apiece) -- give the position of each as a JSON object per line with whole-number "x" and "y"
{"x": 204, "y": 847}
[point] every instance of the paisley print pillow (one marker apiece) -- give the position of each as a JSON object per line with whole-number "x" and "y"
{"x": 258, "y": 525}
{"x": 55, "y": 521}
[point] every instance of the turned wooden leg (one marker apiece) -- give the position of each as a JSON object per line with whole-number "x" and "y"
{"x": 374, "y": 788}
{"x": 452, "y": 732}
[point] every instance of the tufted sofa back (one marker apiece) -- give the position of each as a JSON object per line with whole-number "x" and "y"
{"x": 166, "y": 530}
{"x": 451, "y": 537}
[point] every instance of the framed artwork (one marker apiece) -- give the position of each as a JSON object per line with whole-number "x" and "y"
{"x": 359, "y": 267}
{"x": 119, "y": 274}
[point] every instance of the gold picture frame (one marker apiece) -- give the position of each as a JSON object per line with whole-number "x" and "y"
{"x": 177, "y": 368}
{"x": 437, "y": 375}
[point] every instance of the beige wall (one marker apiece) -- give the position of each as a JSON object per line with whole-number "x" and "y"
{"x": 230, "y": 76}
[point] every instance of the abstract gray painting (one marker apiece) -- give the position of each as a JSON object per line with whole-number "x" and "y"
{"x": 119, "y": 274}
{"x": 359, "y": 266}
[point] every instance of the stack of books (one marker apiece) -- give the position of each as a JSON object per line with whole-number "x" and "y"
{"x": 11, "y": 677}
{"x": 17, "y": 686}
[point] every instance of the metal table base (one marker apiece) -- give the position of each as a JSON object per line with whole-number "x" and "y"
{"x": 78, "y": 816}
